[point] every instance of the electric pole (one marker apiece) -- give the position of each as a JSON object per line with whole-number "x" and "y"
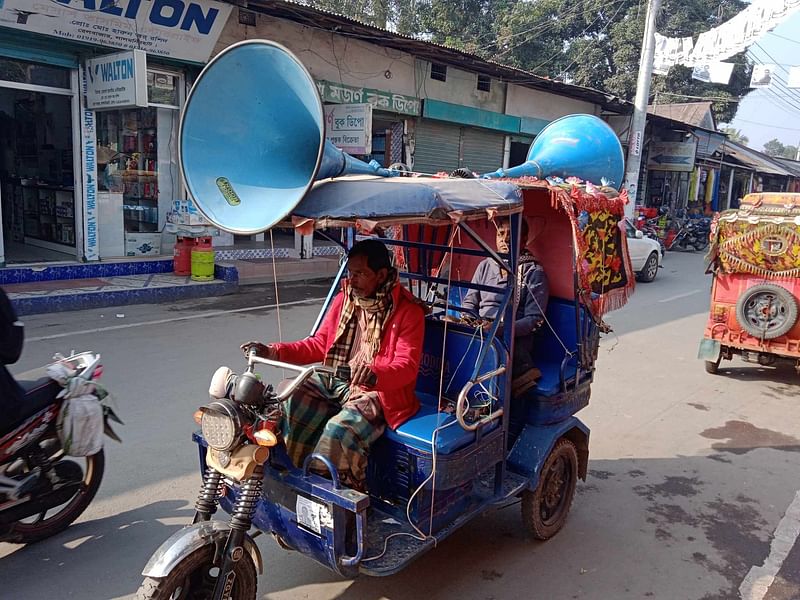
{"x": 636, "y": 137}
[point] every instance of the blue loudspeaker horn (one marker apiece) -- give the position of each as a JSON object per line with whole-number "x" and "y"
{"x": 252, "y": 138}
{"x": 573, "y": 146}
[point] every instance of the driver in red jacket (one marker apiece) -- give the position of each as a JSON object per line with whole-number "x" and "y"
{"x": 375, "y": 326}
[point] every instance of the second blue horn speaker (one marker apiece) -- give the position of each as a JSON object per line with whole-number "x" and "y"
{"x": 581, "y": 146}
{"x": 252, "y": 138}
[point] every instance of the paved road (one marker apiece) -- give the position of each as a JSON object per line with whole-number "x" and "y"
{"x": 693, "y": 482}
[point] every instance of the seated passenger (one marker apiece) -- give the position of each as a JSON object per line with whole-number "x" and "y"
{"x": 376, "y": 327}
{"x": 533, "y": 293}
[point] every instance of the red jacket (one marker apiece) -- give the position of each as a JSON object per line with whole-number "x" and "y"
{"x": 396, "y": 364}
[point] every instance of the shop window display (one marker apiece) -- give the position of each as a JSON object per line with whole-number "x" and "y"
{"x": 137, "y": 176}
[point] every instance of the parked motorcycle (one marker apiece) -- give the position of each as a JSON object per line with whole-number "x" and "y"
{"x": 691, "y": 234}
{"x": 649, "y": 228}
{"x": 42, "y": 488}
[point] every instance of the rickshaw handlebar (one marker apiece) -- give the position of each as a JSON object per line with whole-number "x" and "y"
{"x": 303, "y": 373}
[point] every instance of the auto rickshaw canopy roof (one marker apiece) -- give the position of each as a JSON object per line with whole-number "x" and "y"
{"x": 368, "y": 202}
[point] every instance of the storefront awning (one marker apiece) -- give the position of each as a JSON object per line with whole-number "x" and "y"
{"x": 755, "y": 160}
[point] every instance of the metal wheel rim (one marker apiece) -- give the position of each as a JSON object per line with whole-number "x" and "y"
{"x": 766, "y": 311}
{"x": 556, "y": 483}
{"x": 198, "y": 585}
{"x": 652, "y": 267}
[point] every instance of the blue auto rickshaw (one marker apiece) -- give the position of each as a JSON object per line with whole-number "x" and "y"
{"x": 471, "y": 447}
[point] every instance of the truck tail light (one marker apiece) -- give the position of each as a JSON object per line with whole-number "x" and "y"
{"x": 720, "y": 313}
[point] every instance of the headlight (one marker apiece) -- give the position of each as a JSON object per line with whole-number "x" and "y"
{"x": 220, "y": 425}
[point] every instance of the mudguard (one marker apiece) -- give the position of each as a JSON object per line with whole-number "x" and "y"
{"x": 709, "y": 350}
{"x": 185, "y": 541}
{"x": 536, "y": 441}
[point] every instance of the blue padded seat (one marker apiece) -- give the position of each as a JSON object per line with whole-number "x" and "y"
{"x": 548, "y": 353}
{"x": 462, "y": 350}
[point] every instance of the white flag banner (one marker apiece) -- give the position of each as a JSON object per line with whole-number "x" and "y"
{"x": 670, "y": 51}
{"x": 717, "y": 72}
{"x": 736, "y": 34}
{"x": 793, "y": 81}
{"x": 762, "y": 76}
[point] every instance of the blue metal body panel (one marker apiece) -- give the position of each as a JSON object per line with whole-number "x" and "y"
{"x": 534, "y": 443}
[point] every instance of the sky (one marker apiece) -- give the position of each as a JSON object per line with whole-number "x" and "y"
{"x": 774, "y": 112}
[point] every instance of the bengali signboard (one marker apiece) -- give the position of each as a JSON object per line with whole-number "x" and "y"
{"x": 671, "y": 156}
{"x": 349, "y": 127}
{"x": 117, "y": 81}
{"x": 379, "y": 99}
{"x": 179, "y": 29}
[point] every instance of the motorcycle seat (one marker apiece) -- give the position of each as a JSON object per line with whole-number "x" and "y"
{"x": 40, "y": 391}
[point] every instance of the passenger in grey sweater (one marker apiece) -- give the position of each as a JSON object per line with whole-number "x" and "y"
{"x": 533, "y": 291}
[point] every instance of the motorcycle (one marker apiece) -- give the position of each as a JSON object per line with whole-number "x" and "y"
{"x": 43, "y": 489}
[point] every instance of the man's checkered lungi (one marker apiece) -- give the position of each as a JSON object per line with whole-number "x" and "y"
{"x": 326, "y": 418}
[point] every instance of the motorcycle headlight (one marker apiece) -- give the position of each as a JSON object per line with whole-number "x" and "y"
{"x": 220, "y": 425}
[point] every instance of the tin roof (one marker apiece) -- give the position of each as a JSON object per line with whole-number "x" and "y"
{"x": 761, "y": 163}
{"x": 343, "y": 25}
{"x": 693, "y": 113}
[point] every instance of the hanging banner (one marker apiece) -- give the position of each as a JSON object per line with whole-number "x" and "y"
{"x": 762, "y": 76}
{"x": 349, "y": 127}
{"x": 117, "y": 81}
{"x": 736, "y": 34}
{"x": 793, "y": 80}
{"x": 671, "y": 156}
{"x": 178, "y": 29}
{"x": 670, "y": 52}
{"x": 717, "y": 72}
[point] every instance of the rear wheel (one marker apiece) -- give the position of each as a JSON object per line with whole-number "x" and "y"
{"x": 712, "y": 366}
{"x": 56, "y": 519}
{"x": 195, "y": 576}
{"x": 545, "y": 510}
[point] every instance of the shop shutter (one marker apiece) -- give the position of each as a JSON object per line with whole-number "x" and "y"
{"x": 481, "y": 150}
{"x": 436, "y": 147}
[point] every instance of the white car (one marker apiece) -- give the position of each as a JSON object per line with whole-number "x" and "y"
{"x": 646, "y": 254}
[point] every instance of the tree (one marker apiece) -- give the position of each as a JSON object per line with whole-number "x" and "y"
{"x": 735, "y": 135}
{"x": 775, "y": 148}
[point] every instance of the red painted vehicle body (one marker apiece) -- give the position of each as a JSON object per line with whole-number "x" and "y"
{"x": 755, "y": 295}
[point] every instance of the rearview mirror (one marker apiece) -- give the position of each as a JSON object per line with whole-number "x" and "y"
{"x": 639, "y": 235}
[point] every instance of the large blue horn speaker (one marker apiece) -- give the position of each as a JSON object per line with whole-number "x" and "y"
{"x": 573, "y": 146}
{"x": 252, "y": 138}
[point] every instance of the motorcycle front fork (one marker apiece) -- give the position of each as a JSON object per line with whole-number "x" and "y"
{"x": 226, "y": 557}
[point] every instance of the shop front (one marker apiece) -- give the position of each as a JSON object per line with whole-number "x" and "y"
{"x": 40, "y": 193}
{"x": 451, "y": 136}
{"x": 82, "y": 179}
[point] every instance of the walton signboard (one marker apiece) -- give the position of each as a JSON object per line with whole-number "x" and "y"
{"x": 179, "y": 29}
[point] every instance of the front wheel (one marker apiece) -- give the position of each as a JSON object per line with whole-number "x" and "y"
{"x": 545, "y": 510}
{"x": 195, "y": 576}
{"x": 650, "y": 269}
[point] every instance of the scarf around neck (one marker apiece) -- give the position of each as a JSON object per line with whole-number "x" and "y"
{"x": 377, "y": 311}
